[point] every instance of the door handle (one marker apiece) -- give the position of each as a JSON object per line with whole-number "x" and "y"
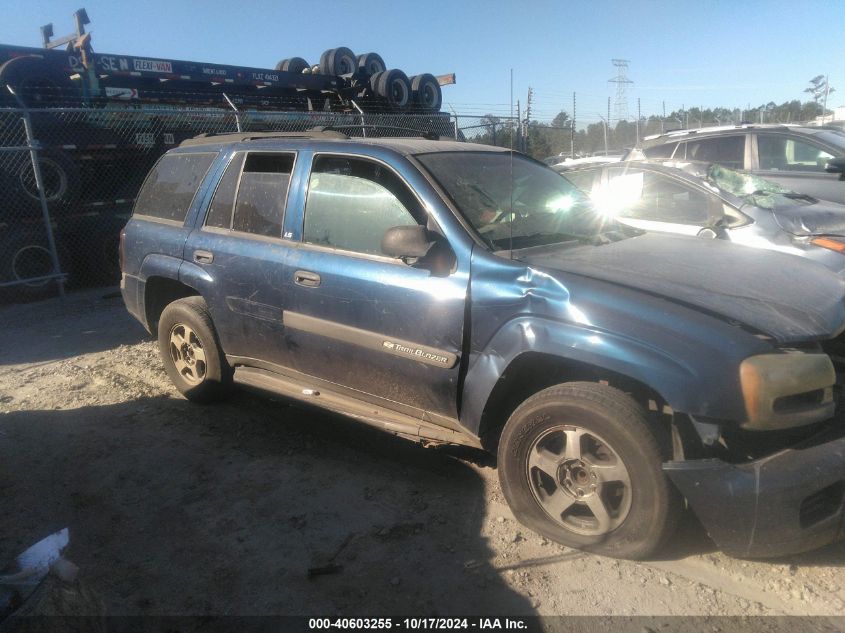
{"x": 203, "y": 257}
{"x": 306, "y": 278}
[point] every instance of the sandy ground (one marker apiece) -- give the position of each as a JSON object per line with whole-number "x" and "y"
{"x": 175, "y": 508}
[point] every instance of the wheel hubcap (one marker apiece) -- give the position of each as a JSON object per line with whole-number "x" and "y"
{"x": 579, "y": 480}
{"x": 187, "y": 353}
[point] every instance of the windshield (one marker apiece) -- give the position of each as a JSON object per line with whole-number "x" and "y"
{"x": 546, "y": 208}
{"x": 755, "y": 190}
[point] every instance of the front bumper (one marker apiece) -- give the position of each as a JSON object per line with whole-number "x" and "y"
{"x": 788, "y": 502}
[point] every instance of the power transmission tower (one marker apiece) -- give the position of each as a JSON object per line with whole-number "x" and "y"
{"x": 528, "y": 119}
{"x": 621, "y": 80}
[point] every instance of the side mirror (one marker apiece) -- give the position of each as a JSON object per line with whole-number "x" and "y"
{"x": 836, "y": 166}
{"x": 716, "y": 230}
{"x": 406, "y": 242}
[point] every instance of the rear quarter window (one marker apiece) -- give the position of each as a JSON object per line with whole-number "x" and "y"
{"x": 724, "y": 150}
{"x": 583, "y": 179}
{"x": 660, "y": 151}
{"x": 171, "y": 185}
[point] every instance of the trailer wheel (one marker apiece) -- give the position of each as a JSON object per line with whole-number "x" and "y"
{"x": 323, "y": 65}
{"x": 293, "y": 65}
{"x": 26, "y": 255}
{"x": 338, "y": 61}
{"x": 371, "y": 63}
{"x": 393, "y": 86}
{"x": 37, "y": 82}
{"x": 59, "y": 174}
{"x": 426, "y": 92}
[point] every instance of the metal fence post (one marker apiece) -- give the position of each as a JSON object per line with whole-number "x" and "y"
{"x": 237, "y": 112}
{"x": 32, "y": 143}
{"x": 456, "y": 127}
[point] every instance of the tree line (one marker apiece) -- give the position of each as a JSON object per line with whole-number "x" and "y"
{"x": 540, "y": 140}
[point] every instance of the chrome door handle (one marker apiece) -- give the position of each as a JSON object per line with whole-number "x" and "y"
{"x": 306, "y": 278}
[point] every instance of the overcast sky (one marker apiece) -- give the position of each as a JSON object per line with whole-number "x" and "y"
{"x": 704, "y": 53}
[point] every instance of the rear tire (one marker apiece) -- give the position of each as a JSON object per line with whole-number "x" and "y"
{"x": 191, "y": 351}
{"x": 293, "y": 65}
{"x": 426, "y": 92}
{"x": 581, "y": 464}
{"x": 371, "y": 63}
{"x": 338, "y": 61}
{"x": 393, "y": 86}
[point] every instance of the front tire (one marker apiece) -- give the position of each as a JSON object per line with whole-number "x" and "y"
{"x": 581, "y": 464}
{"x": 191, "y": 351}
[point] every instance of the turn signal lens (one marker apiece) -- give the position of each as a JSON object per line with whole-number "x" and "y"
{"x": 826, "y": 242}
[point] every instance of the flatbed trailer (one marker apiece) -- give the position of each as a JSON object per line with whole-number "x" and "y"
{"x": 77, "y": 75}
{"x": 101, "y": 120}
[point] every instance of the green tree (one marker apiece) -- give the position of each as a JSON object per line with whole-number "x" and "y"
{"x": 819, "y": 88}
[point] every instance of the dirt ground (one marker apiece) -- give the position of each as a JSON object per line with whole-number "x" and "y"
{"x": 175, "y": 508}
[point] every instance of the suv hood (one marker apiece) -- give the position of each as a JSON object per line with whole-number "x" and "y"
{"x": 787, "y": 297}
{"x": 821, "y": 218}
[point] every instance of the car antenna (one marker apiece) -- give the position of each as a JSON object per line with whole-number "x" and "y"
{"x": 510, "y": 223}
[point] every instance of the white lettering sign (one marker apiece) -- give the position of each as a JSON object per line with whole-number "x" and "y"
{"x": 265, "y": 77}
{"x": 145, "y": 139}
{"x": 122, "y": 93}
{"x": 153, "y": 65}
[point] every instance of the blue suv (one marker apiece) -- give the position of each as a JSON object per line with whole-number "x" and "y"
{"x": 453, "y": 293}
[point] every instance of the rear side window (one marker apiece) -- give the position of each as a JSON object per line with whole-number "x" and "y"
{"x": 171, "y": 185}
{"x": 262, "y": 194}
{"x": 660, "y": 151}
{"x": 725, "y": 150}
{"x": 220, "y": 212}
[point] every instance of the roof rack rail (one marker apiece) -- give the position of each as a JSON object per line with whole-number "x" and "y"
{"x": 209, "y": 138}
{"x": 369, "y": 127}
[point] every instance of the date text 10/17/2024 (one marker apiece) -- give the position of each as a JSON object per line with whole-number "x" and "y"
{"x": 416, "y": 624}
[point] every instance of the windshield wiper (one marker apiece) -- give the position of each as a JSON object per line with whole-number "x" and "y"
{"x": 519, "y": 241}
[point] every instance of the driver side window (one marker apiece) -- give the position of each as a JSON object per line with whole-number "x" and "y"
{"x": 664, "y": 199}
{"x": 779, "y": 153}
{"x": 352, "y": 202}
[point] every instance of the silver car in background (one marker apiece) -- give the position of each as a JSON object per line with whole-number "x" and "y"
{"x": 711, "y": 201}
{"x": 805, "y": 159}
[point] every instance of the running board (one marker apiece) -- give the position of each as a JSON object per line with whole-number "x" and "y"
{"x": 383, "y": 419}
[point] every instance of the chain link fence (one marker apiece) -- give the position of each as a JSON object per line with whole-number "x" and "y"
{"x": 92, "y": 163}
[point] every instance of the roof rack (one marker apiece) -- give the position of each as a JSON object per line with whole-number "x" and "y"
{"x": 373, "y": 127}
{"x": 745, "y": 125}
{"x": 239, "y": 137}
{"x": 317, "y": 132}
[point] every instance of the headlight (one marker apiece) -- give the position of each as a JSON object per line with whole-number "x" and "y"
{"x": 786, "y": 390}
